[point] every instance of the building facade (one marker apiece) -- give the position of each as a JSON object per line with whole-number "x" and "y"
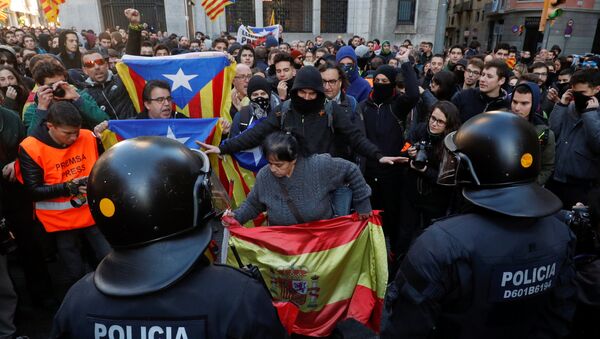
{"x": 466, "y": 22}
{"x": 516, "y": 22}
{"x": 393, "y": 20}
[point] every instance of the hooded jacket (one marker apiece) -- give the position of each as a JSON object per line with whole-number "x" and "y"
{"x": 319, "y": 135}
{"x": 359, "y": 88}
{"x": 385, "y": 122}
{"x": 545, "y": 134}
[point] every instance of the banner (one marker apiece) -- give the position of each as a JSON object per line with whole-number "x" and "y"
{"x": 186, "y": 131}
{"x": 200, "y": 82}
{"x": 332, "y": 269}
{"x": 256, "y": 35}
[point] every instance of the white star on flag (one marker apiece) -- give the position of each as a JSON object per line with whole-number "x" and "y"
{"x": 171, "y": 135}
{"x": 180, "y": 80}
{"x": 256, "y": 153}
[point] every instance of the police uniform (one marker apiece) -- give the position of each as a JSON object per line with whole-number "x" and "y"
{"x": 211, "y": 301}
{"x": 150, "y": 197}
{"x": 503, "y": 271}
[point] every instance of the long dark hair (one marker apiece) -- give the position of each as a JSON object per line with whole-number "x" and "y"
{"x": 452, "y": 123}
{"x": 23, "y": 91}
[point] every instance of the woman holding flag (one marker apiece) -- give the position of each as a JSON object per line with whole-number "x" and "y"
{"x": 296, "y": 189}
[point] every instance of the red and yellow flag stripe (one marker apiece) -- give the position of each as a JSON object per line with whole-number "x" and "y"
{"x": 334, "y": 269}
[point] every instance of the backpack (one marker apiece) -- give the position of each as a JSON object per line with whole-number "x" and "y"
{"x": 285, "y": 107}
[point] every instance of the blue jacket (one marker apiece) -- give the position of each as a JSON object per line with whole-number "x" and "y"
{"x": 577, "y": 143}
{"x": 359, "y": 88}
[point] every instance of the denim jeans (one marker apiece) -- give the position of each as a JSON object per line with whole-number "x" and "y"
{"x": 341, "y": 201}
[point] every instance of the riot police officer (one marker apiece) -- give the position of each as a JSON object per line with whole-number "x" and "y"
{"x": 505, "y": 270}
{"x": 151, "y": 199}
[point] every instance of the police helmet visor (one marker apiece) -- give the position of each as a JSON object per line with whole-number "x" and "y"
{"x": 456, "y": 169}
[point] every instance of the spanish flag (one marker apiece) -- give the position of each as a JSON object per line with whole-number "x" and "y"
{"x": 332, "y": 269}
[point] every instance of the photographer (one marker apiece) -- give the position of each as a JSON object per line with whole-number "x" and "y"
{"x": 584, "y": 221}
{"x": 53, "y": 164}
{"x": 51, "y": 78}
{"x": 423, "y": 199}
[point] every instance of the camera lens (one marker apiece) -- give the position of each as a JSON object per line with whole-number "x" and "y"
{"x": 59, "y": 92}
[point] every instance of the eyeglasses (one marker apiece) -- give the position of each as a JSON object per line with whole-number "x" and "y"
{"x": 437, "y": 121}
{"x": 243, "y": 77}
{"x": 161, "y": 100}
{"x": 472, "y": 72}
{"x": 92, "y": 63}
{"x": 330, "y": 82}
{"x": 540, "y": 74}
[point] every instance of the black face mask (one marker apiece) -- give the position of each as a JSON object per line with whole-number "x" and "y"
{"x": 581, "y": 101}
{"x": 382, "y": 92}
{"x": 459, "y": 77}
{"x": 263, "y": 103}
{"x": 525, "y": 60}
{"x": 308, "y": 106}
{"x": 562, "y": 88}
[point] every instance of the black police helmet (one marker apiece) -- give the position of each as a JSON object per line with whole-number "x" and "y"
{"x": 496, "y": 157}
{"x": 150, "y": 197}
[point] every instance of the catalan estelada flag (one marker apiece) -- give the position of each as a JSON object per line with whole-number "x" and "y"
{"x": 200, "y": 82}
{"x": 186, "y": 131}
{"x": 214, "y": 8}
{"x": 332, "y": 269}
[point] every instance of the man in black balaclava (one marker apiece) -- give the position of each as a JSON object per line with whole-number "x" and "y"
{"x": 575, "y": 121}
{"x": 306, "y": 116}
{"x": 385, "y": 115}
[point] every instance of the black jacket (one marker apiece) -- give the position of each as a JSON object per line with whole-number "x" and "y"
{"x": 484, "y": 275}
{"x": 112, "y": 97}
{"x": 318, "y": 136}
{"x": 33, "y": 174}
{"x": 214, "y": 301}
{"x": 385, "y": 123}
{"x": 471, "y": 102}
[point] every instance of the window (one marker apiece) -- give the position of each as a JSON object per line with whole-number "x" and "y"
{"x": 477, "y": 17}
{"x": 293, "y": 15}
{"x": 152, "y": 12}
{"x": 406, "y": 12}
{"x": 240, "y": 13}
{"x": 334, "y": 16}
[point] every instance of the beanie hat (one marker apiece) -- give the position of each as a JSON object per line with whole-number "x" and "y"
{"x": 295, "y": 53}
{"x": 257, "y": 82}
{"x": 388, "y": 71}
{"x": 361, "y": 51}
{"x": 233, "y": 47}
{"x": 271, "y": 42}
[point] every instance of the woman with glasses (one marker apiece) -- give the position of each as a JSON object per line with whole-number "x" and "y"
{"x": 423, "y": 199}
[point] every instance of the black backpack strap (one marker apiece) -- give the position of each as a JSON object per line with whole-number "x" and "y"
{"x": 245, "y": 117}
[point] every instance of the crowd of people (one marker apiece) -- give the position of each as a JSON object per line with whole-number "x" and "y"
{"x": 382, "y": 113}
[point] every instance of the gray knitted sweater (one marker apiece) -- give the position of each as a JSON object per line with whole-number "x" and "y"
{"x": 309, "y": 187}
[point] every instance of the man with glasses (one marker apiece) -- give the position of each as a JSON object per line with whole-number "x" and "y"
{"x": 472, "y": 73}
{"x": 239, "y": 95}
{"x": 106, "y": 87}
{"x": 158, "y": 102}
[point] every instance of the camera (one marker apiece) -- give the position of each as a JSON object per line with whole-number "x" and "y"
{"x": 59, "y": 92}
{"x": 588, "y": 238}
{"x": 7, "y": 240}
{"x": 421, "y": 158}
